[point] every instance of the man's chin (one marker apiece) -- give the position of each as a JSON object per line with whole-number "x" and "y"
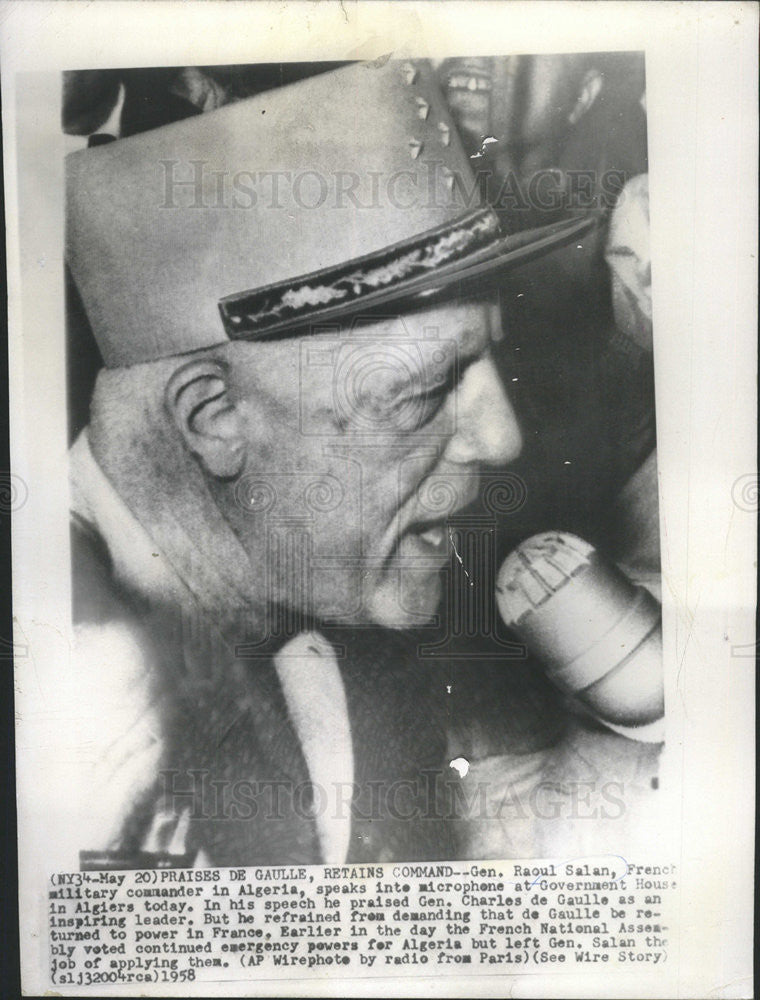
{"x": 406, "y": 599}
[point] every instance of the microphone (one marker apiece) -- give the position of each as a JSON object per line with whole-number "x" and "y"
{"x": 597, "y": 633}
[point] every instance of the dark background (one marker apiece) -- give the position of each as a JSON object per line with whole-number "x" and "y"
{"x": 584, "y": 400}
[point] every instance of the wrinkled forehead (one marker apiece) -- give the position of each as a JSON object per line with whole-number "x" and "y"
{"x": 468, "y": 324}
{"x": 454, "y": 332}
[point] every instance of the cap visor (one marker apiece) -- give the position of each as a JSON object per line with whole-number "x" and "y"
{"x": 502, "y": 254}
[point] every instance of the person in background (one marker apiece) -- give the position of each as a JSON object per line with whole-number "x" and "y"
{"x": 553, "y": 136}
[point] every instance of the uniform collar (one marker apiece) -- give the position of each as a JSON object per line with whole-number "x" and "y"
{"x": 137, "y": 562}
{"x": 306, "y": 667}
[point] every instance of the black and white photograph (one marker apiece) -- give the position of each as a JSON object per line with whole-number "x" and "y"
{"x": 372, "y": 507}
{"x": 363, "y": 469}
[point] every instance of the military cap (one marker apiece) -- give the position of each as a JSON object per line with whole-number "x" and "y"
{"x": 348, "y": 191}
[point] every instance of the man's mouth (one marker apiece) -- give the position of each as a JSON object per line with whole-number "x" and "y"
{"x": 426, "y": 535}
{"x": 468, "y": 81}
{"x": 426, "y": 540}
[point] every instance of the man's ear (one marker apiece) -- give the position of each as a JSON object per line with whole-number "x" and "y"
{"x": 198, "y": 399}
{"x": 590, "y": 88}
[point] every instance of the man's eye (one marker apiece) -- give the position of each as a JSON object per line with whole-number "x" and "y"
{"x": 390, "y": 405}
{"x": 445, "y": 382}
{"x": 430, "y": 400}
{"x": 382, "y": 400}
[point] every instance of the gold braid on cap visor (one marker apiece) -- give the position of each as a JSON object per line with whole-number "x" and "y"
{"x": 280, "y": 306}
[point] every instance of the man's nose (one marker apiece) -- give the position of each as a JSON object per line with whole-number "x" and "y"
{"x": 487, "y": 430}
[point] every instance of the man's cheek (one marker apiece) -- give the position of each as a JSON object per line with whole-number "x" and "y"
{"x": 421, "y": 592}
{"x": 376, "y": 480}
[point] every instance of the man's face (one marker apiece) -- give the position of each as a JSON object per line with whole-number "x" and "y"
{"x": 523, "y": 102}
{"x": 361, "y": 443}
